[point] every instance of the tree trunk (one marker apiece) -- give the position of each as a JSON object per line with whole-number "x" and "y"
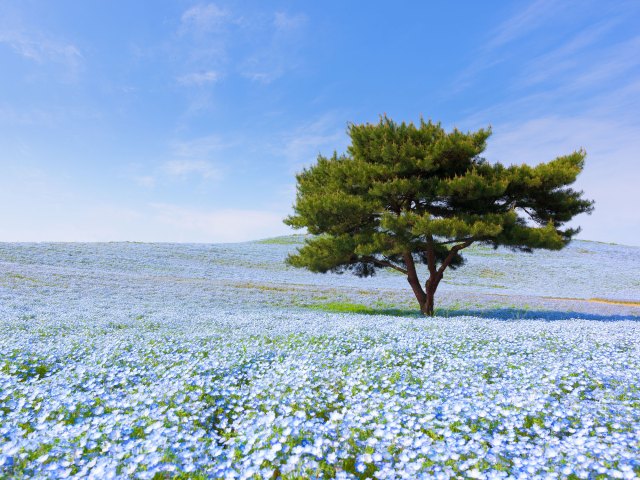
{"x": 417, "y": 291}
{"x": 427, "y": 309}
{"x": 425, "y": 297}
{"x": 412, "y": 278}
{"x": 430, "y": 292}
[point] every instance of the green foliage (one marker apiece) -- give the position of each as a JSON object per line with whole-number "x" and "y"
{"x": 284, "y": 240}
{"x": 405, "y": 194}
{"x": 348, "y": 307}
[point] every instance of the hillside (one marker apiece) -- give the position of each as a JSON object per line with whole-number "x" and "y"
{"x": 254, "y": 275}
{"x": 127, "y": 360}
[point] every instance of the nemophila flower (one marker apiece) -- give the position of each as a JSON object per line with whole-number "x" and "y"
{"x": 202, "y": 384}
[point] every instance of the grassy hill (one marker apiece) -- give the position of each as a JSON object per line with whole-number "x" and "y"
{"x": 218, "y": 361}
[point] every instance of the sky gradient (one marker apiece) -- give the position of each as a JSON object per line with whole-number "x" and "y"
{"x": 186, "y": 122}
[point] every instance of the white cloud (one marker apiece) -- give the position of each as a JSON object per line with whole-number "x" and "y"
{"x": 520, "y": 24}
{"x": 586, "y": 95}
{"x": 614, "y": 63}
{"x": 184, "y": 168}
{"x": 199, "y": 79}
{"x": 610, "y": 176}
{"x": 540, "y": 27}
{"x": 200, "y": 148}
{"x": 491, "y": 53}
{"x": 186, "y": 160}
{"x": 27, "y": 117}
{"x": 258, "y": 46}
{"x": 203, "y": 18}
{"x": 147, "y": 181}
{"x": 324, "y": 135}
{"x": 278, "y": 54}
{"x": 203, "y": 38}
{"x": 73, "y": 223}
{"x": 567, "y": 56}
{"x": 38, "y": 204}
{"x": 41, "y": 49}
{"x": 284, "y": 21}
{"x": 263, "y": 68}
{"x": 42, "y": 205}
{"x": 50, "y": 211}
{"x": 583, "y": 92}
{"x": 220, "y": 225}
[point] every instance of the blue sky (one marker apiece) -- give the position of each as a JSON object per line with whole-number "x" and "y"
{"x": 186, "y": 122}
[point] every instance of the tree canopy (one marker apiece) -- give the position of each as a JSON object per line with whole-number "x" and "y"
{"x": 406, "y": 194}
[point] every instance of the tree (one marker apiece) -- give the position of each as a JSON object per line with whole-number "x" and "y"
{"x": 407, "y": 194}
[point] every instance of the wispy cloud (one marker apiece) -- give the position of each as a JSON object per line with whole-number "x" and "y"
{"x": 543, "y": 65}
{"x": 202, "y": 39}
{"x": 218, "y": 225}
{"x": 611, "y": 165}
{"x": 219, "y": 43}
{"x": 497, "y": 48}
{"x": 613, "y": 63}
{"x": 39, "y": 48}
{"x": 531, "y": 129}
{"x": 200, "y": 148}
{"x": 194, "y": 160}
{"x": 147, "y": 181}
{"x": 184, "y": 168}
{"x": 46, "y": 116}
{"x": 523, "y": 22}
{"x": 284, "y": 21}
{"x": 581, "y": 91}
{"x": 263, "y": 68}
{"x": 278, "y": 54}
{"x": 199, "y": 78}
{"x": 195, "y": 157}
{"x": 567, "y": 56}
{"x": 26, "y": 117}
{"x": 324, "y": 135}
{"x": 89, "y": 220}
{"x": 203, "y": 18}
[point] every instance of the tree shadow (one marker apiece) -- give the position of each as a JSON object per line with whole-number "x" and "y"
{"x": 526, "y": 314}
{"x": 498, "y": 313}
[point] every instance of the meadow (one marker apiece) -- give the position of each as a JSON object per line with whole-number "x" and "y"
{"x": 130, "y": 360}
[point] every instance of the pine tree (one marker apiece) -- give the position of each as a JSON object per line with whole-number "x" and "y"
{"x": 407, "y": 194}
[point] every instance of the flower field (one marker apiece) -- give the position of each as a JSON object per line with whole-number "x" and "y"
{"x": 216, "y": 361}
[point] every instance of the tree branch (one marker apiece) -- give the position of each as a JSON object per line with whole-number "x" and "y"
{"x": 452, "y": 254}
{"x": 529, "y": 213}
{"x": 457, "y": 240}
{"x": 383, "y": 263}
{"x": 412, "y": 277}
{"x": 431, "y": 257}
